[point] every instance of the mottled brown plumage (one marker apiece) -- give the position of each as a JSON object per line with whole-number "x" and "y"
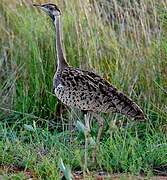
{"x": 87, "y": 91}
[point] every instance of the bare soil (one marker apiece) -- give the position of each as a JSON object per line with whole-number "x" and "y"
{"x": 78, "y": 175}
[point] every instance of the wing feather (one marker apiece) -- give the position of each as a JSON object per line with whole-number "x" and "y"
{"x": 98, "y": 94}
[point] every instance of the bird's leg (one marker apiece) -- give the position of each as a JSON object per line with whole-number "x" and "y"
{"x": 87, "y": 135}
{"x": 101, "y": 125}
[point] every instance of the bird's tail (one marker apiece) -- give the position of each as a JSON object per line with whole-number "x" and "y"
{"x": 127, "y": 107}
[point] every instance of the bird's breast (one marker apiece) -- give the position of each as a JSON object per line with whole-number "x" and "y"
{"x": 80, "y": 98}
{"x": 66, "y": 95}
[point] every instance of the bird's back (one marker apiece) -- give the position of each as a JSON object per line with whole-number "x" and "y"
{"x": 88, "y": 91}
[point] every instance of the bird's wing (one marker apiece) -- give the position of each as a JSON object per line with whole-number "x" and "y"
{"x": 109, "y": 98}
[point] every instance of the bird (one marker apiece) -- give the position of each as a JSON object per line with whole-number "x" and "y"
{"x": 84, "y": 89}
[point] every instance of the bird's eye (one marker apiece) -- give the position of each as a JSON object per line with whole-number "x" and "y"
{"x": 51, "y": 8}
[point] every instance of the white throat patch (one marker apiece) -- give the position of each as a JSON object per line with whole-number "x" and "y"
{"x": 60, "y": 86}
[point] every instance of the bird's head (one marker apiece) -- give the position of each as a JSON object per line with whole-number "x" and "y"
{"x": 51, "y": 9}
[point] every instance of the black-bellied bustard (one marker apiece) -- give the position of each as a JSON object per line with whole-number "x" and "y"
{"x": 84, "y": 89}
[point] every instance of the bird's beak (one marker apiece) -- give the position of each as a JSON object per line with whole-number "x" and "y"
{"x": 38, "y": 5}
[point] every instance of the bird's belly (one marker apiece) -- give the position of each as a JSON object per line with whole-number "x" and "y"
{"x": 66, "y": 95}
{"x": 79, "y": 99}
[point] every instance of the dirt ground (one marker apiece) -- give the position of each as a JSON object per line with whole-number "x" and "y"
{"x": 77, "y": 175}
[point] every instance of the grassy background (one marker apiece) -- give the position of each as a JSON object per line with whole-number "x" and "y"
{"x": 123, "y": 41}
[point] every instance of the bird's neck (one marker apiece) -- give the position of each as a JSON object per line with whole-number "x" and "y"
{"x": 61, "y": 61}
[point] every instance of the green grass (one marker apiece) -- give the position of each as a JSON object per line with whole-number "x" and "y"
{"x": 133, "y": 57}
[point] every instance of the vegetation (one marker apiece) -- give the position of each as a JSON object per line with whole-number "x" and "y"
{"x": 125, "y": 43}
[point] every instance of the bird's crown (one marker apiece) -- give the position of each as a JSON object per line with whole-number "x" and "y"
{"x": 51, "y": 9}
